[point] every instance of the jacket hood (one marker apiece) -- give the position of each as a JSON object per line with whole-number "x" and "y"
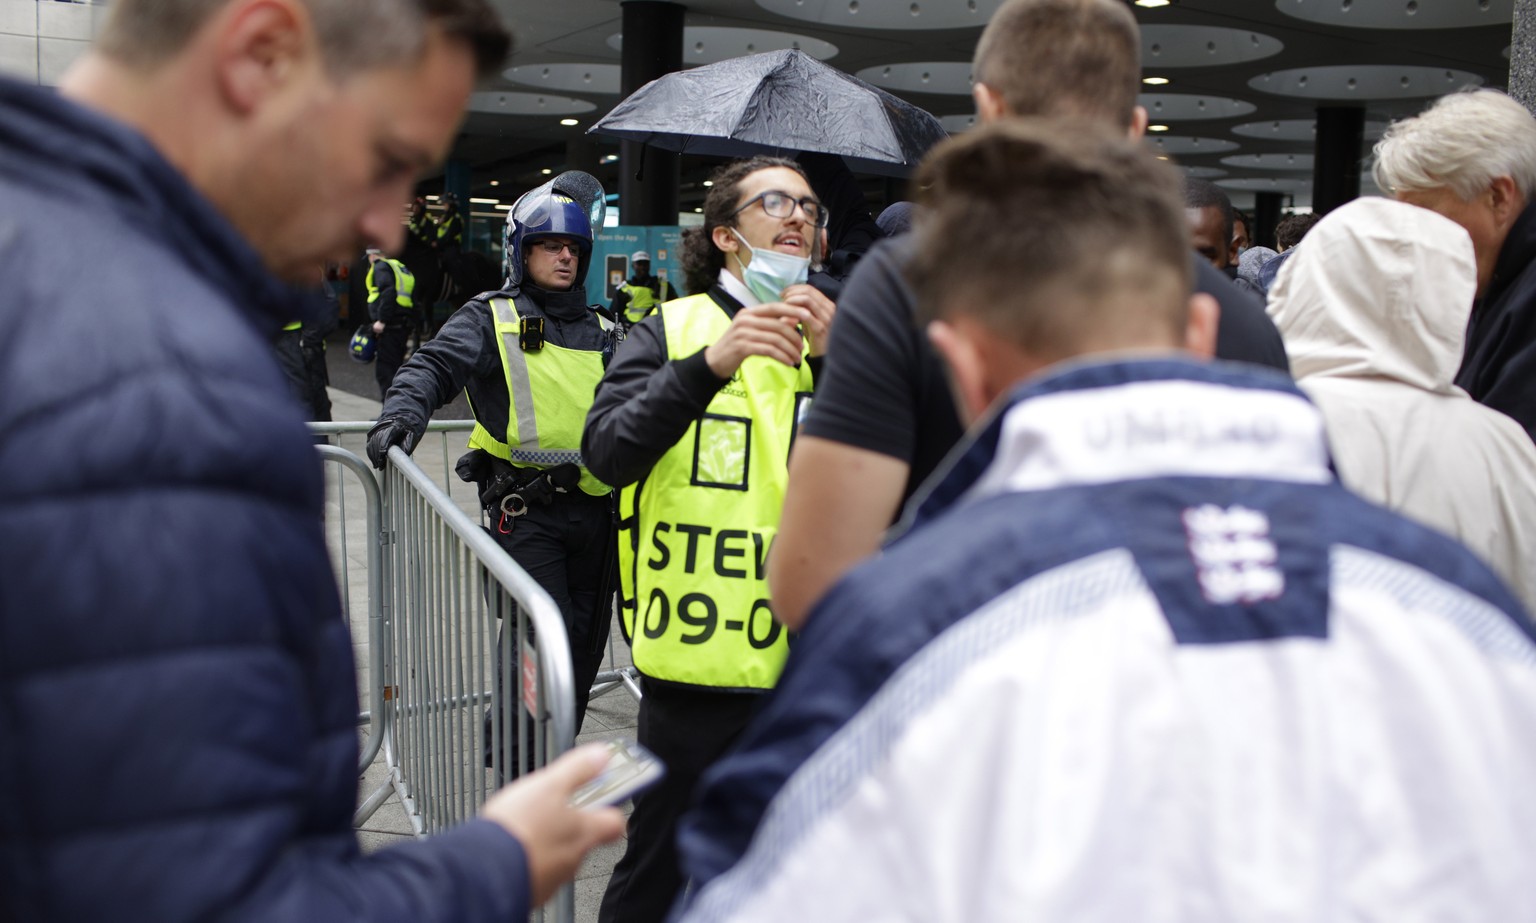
{"x": 73, "y": 153}
{"x": 1378, "y": 289}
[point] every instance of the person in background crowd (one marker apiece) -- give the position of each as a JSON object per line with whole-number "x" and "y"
{"x": 1373, "y": 314}
{"x": 529, "y": 357}
{"x": 178, "y": 734}
{"x": 1292, "y": 228}
{"x": 1106, "y": 677}
{"x": 1472, "y": 158}
{"x": 1211, "y": 223}
{"x": 1242, "y": 239}
{"x": 641, "y": 293}
{"x": 884, "y": 416}
{"x": 1288, "y": 234}
{"x": 1250, "y": 266}
{"x": 694, "y": 420}
{"x": 392, "y": 309}
{"x": 301, "y": 351}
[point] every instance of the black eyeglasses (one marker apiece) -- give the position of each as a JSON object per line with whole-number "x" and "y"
{"x": 555, "y": 247}
{"x": 781, "y": 205}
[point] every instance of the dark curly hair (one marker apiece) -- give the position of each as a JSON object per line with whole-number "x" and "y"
{"x": 702, "y": 260}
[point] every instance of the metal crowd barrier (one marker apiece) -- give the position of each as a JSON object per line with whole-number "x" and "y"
{"x": 444, "y": 604}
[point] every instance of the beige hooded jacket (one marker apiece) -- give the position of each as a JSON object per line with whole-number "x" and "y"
{"x": 1373, "y": 308}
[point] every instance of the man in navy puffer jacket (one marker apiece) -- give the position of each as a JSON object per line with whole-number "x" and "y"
{"x": 177, "y": 694}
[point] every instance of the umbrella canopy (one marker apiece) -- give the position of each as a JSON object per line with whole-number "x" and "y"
{"x": 779, "y": 102}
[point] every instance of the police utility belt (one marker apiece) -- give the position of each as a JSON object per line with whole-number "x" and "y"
{"x": 507, "y": 492}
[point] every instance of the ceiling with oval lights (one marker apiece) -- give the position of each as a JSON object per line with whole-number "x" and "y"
{"x": 1295, "y": 130}
{"x": 572, "y": 78}
{"x": 528, "y": 104}
{"x": 1271, "y": 161}
{"x": 1364, "y": 82}
{"x": 888, "y": 14}
{"x": 1401, "y": 14}
{"x": 1182, "y": 106}
{"x": 1191, "y": 145}
{"x": 921, "y": 77}
{"x": 708, "y": 44}
{"x": 1203, "y": 46}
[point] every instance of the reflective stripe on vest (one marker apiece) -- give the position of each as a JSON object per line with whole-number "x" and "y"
{"x": 549, "y": 392}
{"x": 696, "y": 531}
{"x": 296, "y": 325}
{"x": 405, "y": 283}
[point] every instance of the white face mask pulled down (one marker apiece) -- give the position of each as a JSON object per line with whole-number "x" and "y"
{"x": 770, "y": 271}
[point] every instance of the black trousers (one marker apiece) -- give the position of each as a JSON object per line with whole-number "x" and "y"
{"x": 567, "y": 547}
{"x": 688, "y": 728}
{"x": 391, "y": 353}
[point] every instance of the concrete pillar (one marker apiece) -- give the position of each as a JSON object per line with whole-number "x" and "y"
{"x": 1266, "y": 214}
{"x": 1336, "y": 167}
{"x": 653, "y": 46}
{"x": 1522, "y": 55}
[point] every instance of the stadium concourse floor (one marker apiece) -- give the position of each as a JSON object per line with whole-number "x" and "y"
{"x": 354, "y": 396}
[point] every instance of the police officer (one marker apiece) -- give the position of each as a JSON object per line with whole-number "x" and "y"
{"x": 638, "y": 297}
{"x": 694, "y": 420}
{"x": 529, "y": 357}
{"x": 390, "y": 286}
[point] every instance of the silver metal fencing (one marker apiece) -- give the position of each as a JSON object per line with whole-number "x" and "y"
{"x": 444, "y": 606}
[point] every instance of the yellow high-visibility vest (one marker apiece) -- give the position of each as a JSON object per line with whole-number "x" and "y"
{"x": 549, "y": 393}
{"x": 405, "y": 283}
{"x": 696, "y": 531}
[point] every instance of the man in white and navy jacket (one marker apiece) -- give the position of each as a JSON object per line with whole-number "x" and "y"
{"x": 1138, "y": 656}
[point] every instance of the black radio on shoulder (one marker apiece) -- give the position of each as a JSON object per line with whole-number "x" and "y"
{"x": 530, "y": 334}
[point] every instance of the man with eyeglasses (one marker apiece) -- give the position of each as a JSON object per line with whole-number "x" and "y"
{"x": 528, "y": 358}
{"x": 693, "y": 422}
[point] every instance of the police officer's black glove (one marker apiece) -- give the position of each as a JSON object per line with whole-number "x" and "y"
{"x": 391, "y": 431}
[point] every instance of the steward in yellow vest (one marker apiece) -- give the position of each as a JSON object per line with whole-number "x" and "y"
{"x": 390, "y": 288}
{"x": 529, "y": 357}
{"x": 694, "y": 420}
{"x": 638, "y": 297}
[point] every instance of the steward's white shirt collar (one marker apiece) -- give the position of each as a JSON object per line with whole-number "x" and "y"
{"x": 736, "y": 288}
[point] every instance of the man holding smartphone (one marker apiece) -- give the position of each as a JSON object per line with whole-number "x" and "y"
{"x": 529, "y": 358}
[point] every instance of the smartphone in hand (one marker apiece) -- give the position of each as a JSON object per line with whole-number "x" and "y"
{"x": 631, "y": 769}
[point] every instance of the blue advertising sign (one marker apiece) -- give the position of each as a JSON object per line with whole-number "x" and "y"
{"x": 611, "y": 253}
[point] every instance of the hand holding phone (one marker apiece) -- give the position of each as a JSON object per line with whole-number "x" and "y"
{"x": 631, "y": 769}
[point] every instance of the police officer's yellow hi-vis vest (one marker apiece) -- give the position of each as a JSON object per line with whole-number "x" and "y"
{"x": 550, "y": 391}
{"x": 695, "y": 532}
{"x": 642, "y": 298}
{"x": 405, "y": 283}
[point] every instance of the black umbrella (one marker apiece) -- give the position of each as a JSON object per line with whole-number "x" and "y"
{"x": 778, "y": 102}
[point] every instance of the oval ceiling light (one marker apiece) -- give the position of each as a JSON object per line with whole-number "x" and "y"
{"x": 1401, "y": 14}
{"x": 1295, "y": 130}
{"x": 1178, "y": 106}
{"x": 569, "y": 122}
{"x": 1204, "y": 46}
{"x": 887, "y": 14}
{"x": 1270, "y": 161}
{"x": 1364, "y": 81}
{"x": 504, "y": 103}
{"x": 1189, "y": 145}
{"x": 1152, "y": 4}
{"x": 951, "y": 77}
{"x": 1155, "y": 81}
{"x": 1268, "y": 183}
{"x": 708, "y": 44}
{"x": 1203, "y": 172}
{"x": 569, "y": 78}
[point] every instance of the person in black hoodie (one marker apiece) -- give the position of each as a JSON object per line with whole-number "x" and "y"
{"x": 1472, "y": 158}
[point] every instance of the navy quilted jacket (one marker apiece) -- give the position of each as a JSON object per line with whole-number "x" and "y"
{"x": 176, "y": 681}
